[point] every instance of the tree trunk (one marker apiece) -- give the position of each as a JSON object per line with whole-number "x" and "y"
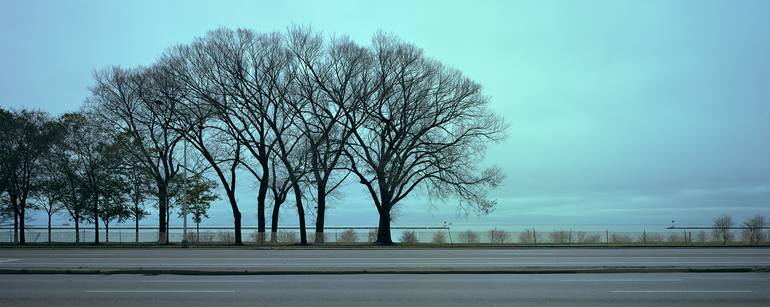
{"x": 320, "y": 215}
{"x": 168, "y": 224}
{"x": 162, "y": 212}
{"x": 96, "y": 219}
{"x": 15, "y": 225}
{"x": 383, "y": 231}
{"x": 49, "y": 228}
{"x": 77, "y": 229}
{"x": 236, "y": 218}
{"x": 261, "y": 196}
{"x": 197, "y": 232}
{"x": 300, "y": 213}
{"x": 106, "y": 232}
{"x": 136, "y": 225}
{"x": 237, "y": 222}
{"x": 22, "y": 235}
{"x": 274, "y": 221}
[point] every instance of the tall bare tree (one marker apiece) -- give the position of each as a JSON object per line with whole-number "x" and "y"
{"x": 425, "y": 125}
{"x": 218, "y": 70}
{"x": 138, "y": 102}
{"x": 281, "y": 111}
{"x": 331, "y": 79}
{"x": 203, "y": 127}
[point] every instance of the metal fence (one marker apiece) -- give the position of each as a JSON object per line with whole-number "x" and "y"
{"x": 416, "y": 235}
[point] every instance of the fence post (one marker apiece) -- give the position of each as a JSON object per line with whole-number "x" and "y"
{"x": 684, "y": 236}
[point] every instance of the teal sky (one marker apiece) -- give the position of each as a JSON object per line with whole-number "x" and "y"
{"x": 621, "y": 112}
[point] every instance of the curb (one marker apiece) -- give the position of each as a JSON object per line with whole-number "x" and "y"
{"x": 525, "y": 270}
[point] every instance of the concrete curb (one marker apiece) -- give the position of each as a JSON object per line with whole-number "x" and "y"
{"x": 333, "y": 271}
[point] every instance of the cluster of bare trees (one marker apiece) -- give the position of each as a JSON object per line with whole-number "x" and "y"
{"x": 752, "y": 229}
{"x": 300, "y": 115}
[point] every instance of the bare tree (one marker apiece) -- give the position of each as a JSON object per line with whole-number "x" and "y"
{"x": 425, "y": 125}
{"x": 204, "y": 127}
{"x": 133, "y": 101}
{"x": 220, "y": 70}
{"x": 752, "y": 230}
{"x": 259, "y": 82}
{"x": 722, "y": 225}
{"x": 330, "y": 79}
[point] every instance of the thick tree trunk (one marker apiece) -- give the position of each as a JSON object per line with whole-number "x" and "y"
{"x": 96, "y": 219}
{"x": 197, "y": 232}
{"x": 22, "y": 236}
{"x": 320, "y": 215}
{"x": 261, "y": 196}
{"x": 18, "y": 220}
{"x": 168, "y": 221}
{"x": 274, "y": 221}
{"x": 77, "y": 229}
{"x": 383, "y": 230}
{"x": 15, "y": 226}
{"x": 162, "y": 212}
{"x": 300, "y": 213}
{"x": 49, "y": 228}
{"x": 237, "y": 222}
{"x": 136, "y": 225}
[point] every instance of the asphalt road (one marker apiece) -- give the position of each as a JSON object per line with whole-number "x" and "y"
{"x": 362, "y": 259}
{"x": 650, "y": 289}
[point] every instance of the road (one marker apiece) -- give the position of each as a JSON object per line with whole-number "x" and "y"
{"x": 355, "y": 260}
{"x": 446, "y": 290}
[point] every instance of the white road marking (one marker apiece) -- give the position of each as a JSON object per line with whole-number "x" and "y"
{"x": 681, "y": 291}
{"x": 362, "y": 263}
{"x": 9, "y": 260}
{"x": 620, "y": 280}
{"x": 202, "y": 281}
{"x": 160, "y": 291}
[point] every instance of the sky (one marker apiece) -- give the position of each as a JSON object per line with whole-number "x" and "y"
{"x": 620, "y": 112}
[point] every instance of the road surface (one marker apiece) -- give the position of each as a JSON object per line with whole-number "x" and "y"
{"x": 445, "y": 290}
{"x": 353, "y": 260}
